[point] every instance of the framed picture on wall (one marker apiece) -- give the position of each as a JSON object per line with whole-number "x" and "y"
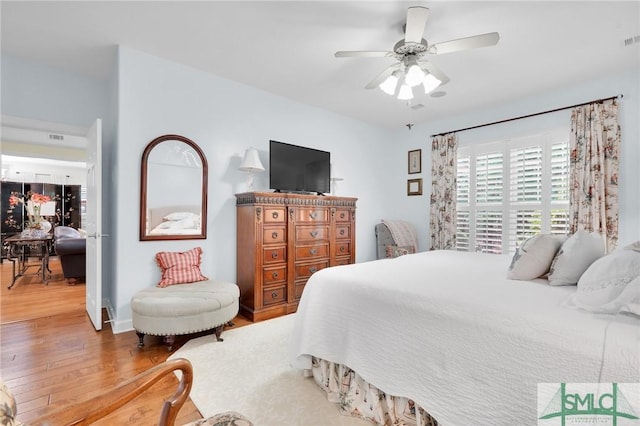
{"x": 414, "y": 187}
{"x": 415, "y": 161}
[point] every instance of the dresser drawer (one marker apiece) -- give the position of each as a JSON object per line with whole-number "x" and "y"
{"x": 343, "y": 248}
{"x": 298, "y": 289}
{"x": 274, "y": 235}
{"x": 274, "y": 274}
{"x": 343, "y": 215}
{"x": 311, "y": 233}
{"x": 316, "y": 251}
{"x": 273, "y": 295}
{"x": 312, "y": 214}
{"x": 274, "y": 254}
{"x": 306, "y": 270}
{"x": 343, "y": 231}
{"x": 343, "y": 261}
{"x": 275, "y": 214}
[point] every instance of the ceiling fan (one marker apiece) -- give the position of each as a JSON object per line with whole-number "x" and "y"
{"x": 412, "y": 68}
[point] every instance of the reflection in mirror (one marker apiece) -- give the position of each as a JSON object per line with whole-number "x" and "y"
{"x": 173, "y": 202}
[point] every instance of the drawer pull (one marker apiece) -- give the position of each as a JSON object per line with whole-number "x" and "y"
{"x": 342, "y": 249}
{"x": 313, "y": 234}
{"x": 342, "y": 232}
{"x": 313, "y": 251}
{"x": 274, "y": 295}
{"x": 274, "y": 235}
{"x": 313, "y": 214}
{"x": 274, "y": 255}
{"x": 342, "y": 215}
{"x": 313, "y": 269}
{"x": 274, "y": 274}
{"x": 275, "y": 215}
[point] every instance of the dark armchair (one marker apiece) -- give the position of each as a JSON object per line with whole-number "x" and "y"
{"x": 71, "y": 248}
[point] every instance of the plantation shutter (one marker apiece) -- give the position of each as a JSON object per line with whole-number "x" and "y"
{"x": 463, "y": 198}
{"x": 559, "y": 222}
{"x": 512, "y": 189}
{"x": 489, "y": 231}
{"x": 489, "y": 187}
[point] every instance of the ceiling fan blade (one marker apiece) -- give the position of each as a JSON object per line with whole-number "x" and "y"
{"x": 362, "y": 54}
{"x": 437, "y": 72}
{"x": 383, "y": 76}
{"x": 466, "y": 43}
{"x": 416, "y": 21}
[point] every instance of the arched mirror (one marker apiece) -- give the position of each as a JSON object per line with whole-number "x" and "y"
{"x": 173, "y": 196}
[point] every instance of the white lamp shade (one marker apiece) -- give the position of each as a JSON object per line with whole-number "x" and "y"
{"x": 389, "y": 85}
{"x": 46, "y": 209}
{"x": 430, "y": 83}
{"x": 251, "y": 161}
{"x": 414, "y": 76}
{"x": 335, "y": 176}
{"x": 405, "y": 93}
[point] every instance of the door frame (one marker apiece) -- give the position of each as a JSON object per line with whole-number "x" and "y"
{"x": 42, "y": 133}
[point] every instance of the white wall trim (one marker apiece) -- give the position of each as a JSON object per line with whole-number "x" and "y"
{"x": 116, "y": 326}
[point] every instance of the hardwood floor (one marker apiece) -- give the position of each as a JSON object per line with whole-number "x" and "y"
{"x": 51, "y": 356}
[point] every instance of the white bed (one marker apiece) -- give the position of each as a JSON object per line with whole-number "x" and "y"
{"x": 449, "y": 331}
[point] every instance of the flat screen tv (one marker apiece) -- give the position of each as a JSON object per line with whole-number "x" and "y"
{"x": 294, "y": 168}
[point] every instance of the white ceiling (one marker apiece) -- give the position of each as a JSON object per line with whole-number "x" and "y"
{"x": 287, "y": 48}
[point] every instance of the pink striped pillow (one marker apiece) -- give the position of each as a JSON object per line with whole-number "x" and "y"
{"x": 180, "y": 267}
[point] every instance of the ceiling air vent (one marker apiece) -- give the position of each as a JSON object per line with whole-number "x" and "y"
{"x": 631, "y": 40}
{"x": 56, "y": 137}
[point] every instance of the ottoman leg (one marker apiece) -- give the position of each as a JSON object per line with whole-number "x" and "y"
{"x": 140, "y": 339}
{"x": 169, "y": 340}
{"x": 218, "y": 331}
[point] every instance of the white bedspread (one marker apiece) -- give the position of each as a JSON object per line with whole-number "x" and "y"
{"x": 448, "y": 330}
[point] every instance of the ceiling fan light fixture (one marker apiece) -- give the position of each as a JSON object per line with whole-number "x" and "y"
{"x": 430, "y": 83}
{"x": 405, "y": 93}
{"x": 414, "y": 76}
{"x": 390, "y": 85}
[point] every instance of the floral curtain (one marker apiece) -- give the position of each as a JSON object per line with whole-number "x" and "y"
{"x": 443, "y": 191}
{"x": 593, "y": 185}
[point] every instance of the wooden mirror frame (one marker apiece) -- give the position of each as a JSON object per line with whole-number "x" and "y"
{"x": 144, "y": 236}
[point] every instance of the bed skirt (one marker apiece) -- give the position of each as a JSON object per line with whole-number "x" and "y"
{"x": 358, "y": 398}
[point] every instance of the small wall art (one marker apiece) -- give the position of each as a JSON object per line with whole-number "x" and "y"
{"x": 415, "y": 161}
{"x": 414, "y": 187}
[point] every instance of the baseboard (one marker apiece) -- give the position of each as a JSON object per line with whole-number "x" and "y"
{"x": 116, "y": 326}
{"x": 121, "y": 326}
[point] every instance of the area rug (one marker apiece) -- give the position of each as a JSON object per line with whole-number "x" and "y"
{"x": 250, "y": 373}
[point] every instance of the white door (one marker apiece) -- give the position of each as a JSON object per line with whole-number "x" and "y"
{"x": 93, "y": 225}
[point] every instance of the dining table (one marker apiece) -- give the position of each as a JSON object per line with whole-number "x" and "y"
{"x": 29, "y": 251}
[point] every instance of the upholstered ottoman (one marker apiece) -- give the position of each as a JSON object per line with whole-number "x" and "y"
{"x": 184, "y": 309}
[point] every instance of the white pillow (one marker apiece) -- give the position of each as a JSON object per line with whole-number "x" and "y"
{"x": 575, "y": 256}
{"x": 180, "y": 216}
{"x": 533, "y": 258}
{"x": 633, "y": 246}
{"x": 605, "y": 286}
{"x": 188, "y": 223}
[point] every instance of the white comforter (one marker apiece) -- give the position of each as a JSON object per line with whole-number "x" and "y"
{"x": 448, "y": 330}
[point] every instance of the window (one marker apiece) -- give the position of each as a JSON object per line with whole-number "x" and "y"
{"x": 510, "y": 190}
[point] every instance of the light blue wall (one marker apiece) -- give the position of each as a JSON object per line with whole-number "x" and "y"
{"x": 224, "y": 118}
{"x": 416, "y": 209}
{"x": 41, "y": 92}
{"x": 109, "y": 188}
{"x": 147, "y": 97}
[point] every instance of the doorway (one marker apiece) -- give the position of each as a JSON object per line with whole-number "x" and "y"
{"x": 52, "y": 158}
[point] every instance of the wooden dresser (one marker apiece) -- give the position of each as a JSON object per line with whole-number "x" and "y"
{"x": 284, "y": 238}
